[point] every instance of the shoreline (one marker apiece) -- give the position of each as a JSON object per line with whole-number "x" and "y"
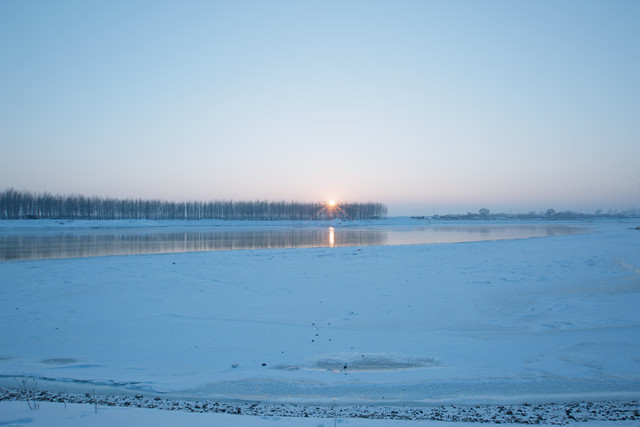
{"x": 26, "y": 225}
{"x": 525, "y": 413}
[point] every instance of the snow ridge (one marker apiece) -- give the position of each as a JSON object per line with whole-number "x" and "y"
{"x": 548, "y": 413}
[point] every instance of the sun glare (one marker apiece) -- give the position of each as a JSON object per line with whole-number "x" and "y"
{"x": 332, "y": 210}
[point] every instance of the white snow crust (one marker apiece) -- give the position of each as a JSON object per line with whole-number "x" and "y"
{"x": 538, "y": 320}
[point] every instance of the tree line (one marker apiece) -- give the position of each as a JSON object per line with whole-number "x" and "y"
{"x": 26, "y": 205}
{"x": 549, "y": 214}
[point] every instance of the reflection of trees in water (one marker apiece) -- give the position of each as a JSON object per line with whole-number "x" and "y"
{"x": 361, "y": 237}
{"x": 100, "y": 243}
{"x": 75, "y": 245}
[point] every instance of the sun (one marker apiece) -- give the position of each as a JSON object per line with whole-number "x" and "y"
{"x": 332, "y": 210}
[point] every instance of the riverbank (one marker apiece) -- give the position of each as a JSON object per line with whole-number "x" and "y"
{"x": 12, "y": 226}
{"x": 545, "y": 414}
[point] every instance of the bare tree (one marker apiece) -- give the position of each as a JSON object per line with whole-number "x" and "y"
{"x": 24, "y": 205}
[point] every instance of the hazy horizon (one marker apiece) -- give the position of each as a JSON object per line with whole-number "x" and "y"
{"x": 431, "y": 107}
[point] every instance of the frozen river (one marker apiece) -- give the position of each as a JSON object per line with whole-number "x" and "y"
{"x": 89, "y": 242}
{"x": 511, "y": 321}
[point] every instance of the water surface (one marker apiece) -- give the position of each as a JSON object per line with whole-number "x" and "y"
{"x": 102, "y": 242}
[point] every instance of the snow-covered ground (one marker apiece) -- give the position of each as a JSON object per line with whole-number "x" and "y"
{"x": 13, "y": 226}
{"x": 15, "y": 414}
{"x": 43, "y": 225}
{"x": 534, "y": 321}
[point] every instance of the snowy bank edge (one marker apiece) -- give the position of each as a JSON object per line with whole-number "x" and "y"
{"x": 549, "y": 413}
{"x": 56, "y": 225}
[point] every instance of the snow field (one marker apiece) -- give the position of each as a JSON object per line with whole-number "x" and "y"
{"x": 532, "y": 320}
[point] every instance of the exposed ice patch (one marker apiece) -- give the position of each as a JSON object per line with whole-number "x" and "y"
{"x": 364, "y": 362}
{"x": 554, "y": 325}
{"x": 59, "y": 361}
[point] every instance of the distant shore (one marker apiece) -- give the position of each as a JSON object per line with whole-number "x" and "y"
{"x": 25, "y": 224}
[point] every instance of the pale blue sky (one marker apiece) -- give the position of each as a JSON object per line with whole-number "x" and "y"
{"x": 423, "y": 105}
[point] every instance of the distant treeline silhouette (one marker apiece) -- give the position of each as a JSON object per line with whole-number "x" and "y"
{"x": 551, "y": 214}
{"x": 25, "y": 205}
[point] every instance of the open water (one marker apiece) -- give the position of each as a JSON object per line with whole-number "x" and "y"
{"x": 103, "y": 242}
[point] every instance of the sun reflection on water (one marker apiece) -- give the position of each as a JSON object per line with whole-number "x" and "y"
{"x": 332, "y": 237}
